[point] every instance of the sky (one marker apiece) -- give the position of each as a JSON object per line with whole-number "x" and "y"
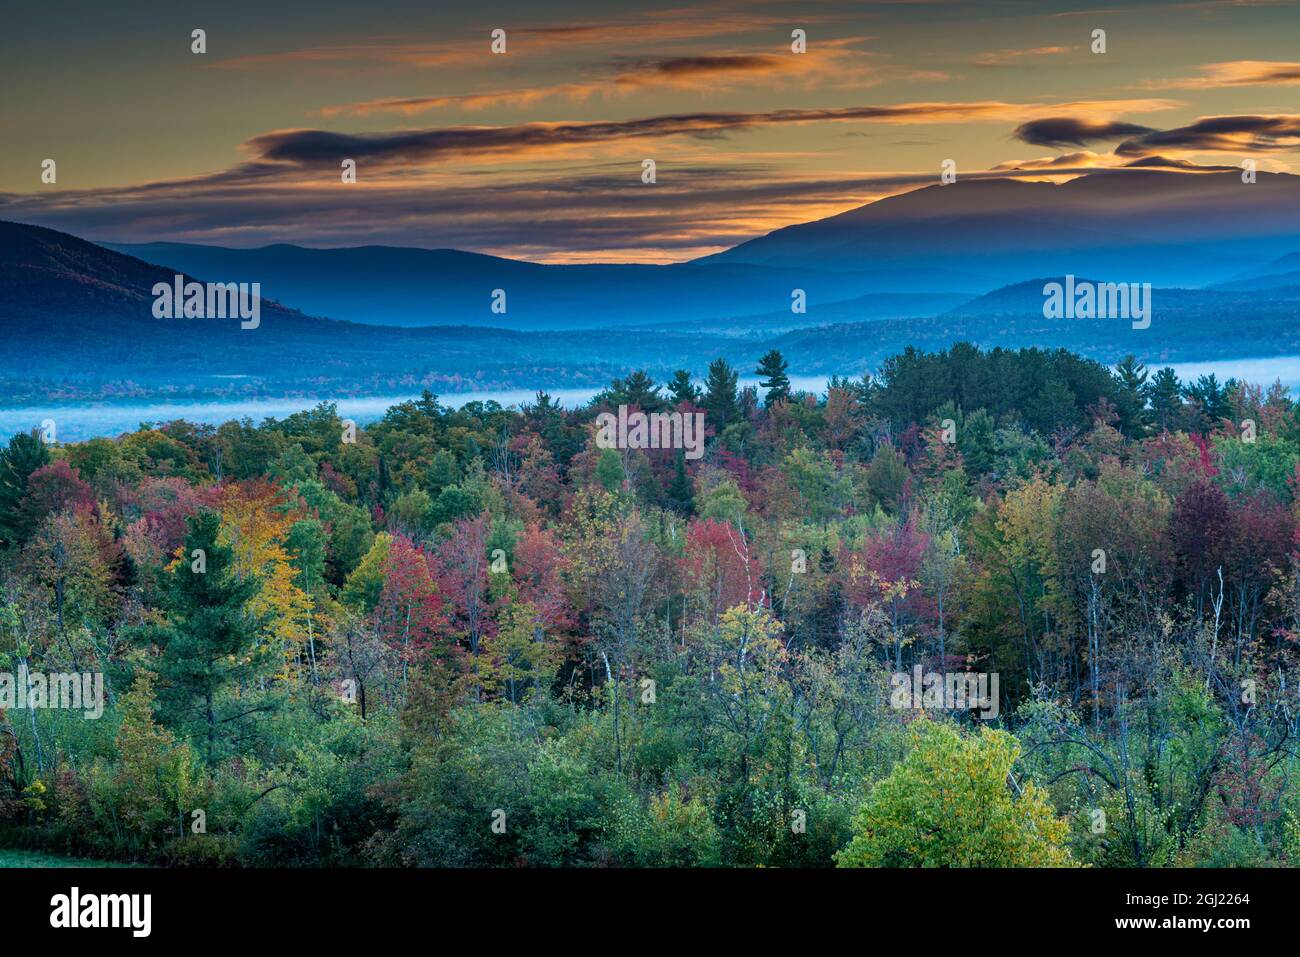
{"x": 538, "y": 152}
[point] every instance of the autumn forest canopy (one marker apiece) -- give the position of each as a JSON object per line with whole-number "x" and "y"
{"x": 475, "y": 637}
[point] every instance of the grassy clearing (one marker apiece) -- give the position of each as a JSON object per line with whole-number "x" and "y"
{"x": 10, "y": 858}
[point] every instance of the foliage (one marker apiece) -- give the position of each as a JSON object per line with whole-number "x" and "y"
{"x": 473, "y": 637}
{"x": 953, "y": 802}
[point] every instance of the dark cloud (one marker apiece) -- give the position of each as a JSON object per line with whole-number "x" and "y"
{"x": 697, "y": 65}
{"x": 1222, "y": 134}
{"x": 1057, "y": 131}
{"x": 321, "y": 147}
{"x": 1282, "y": 73}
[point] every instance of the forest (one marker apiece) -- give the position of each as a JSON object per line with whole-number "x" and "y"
{"x": 475, "y": 638}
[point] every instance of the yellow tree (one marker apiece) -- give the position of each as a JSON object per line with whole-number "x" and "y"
{"x": 612, "y": 563}
{"x": 955, "y": 802}
{"x": 255, "y": 522}
{"x": 517, "y": 659}
{"x": 1018, "y": 596}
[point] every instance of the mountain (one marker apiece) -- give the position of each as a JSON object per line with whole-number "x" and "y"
{"x": 884, "y": 305}
{"x": 1027, "y": 298}
{"x": 1130, "y": 225}
{"x": 1276, "y": 281}
{"x": 1284, "y": 271}
{"x": 78, "y": 322}
{"x": 65, "y": 302}
{"x": 1283, "y": 264}
{"x": 1186, "y": 325}
{"x": 398, "y": 286}
{"x": 1170, "y": 229}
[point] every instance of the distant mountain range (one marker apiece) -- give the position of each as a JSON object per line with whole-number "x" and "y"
{"x": 925, "y": 268}
{"x": 881, "y": 305}
{"x": 1281, "y": 272}
{"x": 78, "y": 320}
{"x": 1171, "y": 229}
{"x": 389, "y": 285}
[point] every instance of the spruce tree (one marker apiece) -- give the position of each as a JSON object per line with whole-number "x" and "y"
{"x": 772, "y": 377}
{"x": 24, "y": 455}
{"x": 680, "y": 493}
{"x": 720, "y": 398}
{"x": 682, "y": 389}
{"x": 1131, "y": 397}
{"x": 208, "y": 660}
{"x": 1166, "y": 399}
{"x": 639, "y": 390}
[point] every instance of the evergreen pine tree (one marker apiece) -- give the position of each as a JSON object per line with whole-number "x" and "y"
{"x": 1166, "y": 396}
{"x": 772, "y": 377}
{"x": 682, "y": 389}
{"x": 720, "y": 398}
{"x": 208, "y": 645}
{"x": 1131, "y": 397}
{"x": 24, "y": 455}
{"x": 680, "y": 492}
{"x": 638, "y": 391}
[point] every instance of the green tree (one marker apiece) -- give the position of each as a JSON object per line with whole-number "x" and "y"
{"x": 976, "y": 440}
{"x": 1131, "y": 399}
{"x": 719, "y": 497}
{"x": 637, "y": 390}
{"x": 887, "y": 477}
{"x": 721, "y": 402}
{"x": 772, "y": 377}
{"x": 443, "y": 471}
{"x": 1166, "y": 395}
{"x": 306, "y": 543}
{"x": 682, "y": 389}
{"x": 366, "y": 583}
{"x": 680, "y": 493}
{"x": 609, "y": 470}
{"x": 455, "y": 501}
{"x": 208, "y": 644}
{"x": 954, "y": 802}
{"x": 1211, "y": 400}
{"x": 24, "y": 455}
{"x": 156, "y": 777}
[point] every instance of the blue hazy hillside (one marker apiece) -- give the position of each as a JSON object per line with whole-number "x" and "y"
{"x": 78, "y": 325}
{"x": 970, "y": 237}
{"x": 1169, "y": 229}
{"x": 396, "y": 286}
